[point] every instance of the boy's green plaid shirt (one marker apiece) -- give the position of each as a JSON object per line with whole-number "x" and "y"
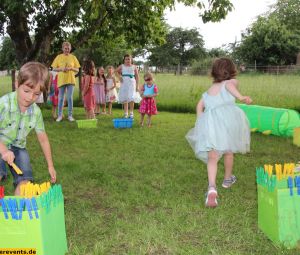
{"x": 14, "y": 125}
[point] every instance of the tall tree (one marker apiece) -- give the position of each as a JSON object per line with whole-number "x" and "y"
{"x": 288, "y": 13}
{"x": 268, "y": 42}
{"x": 34, "y": 25}
{"x": 181, "y": 48}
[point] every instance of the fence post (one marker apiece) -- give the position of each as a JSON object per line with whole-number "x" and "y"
{"x": 13, "y": 80}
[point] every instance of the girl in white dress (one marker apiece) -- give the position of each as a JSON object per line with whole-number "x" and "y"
{"x": 222, "y": 128}
{"x": 111, "y": 92}
{"x": 129, "y": 77}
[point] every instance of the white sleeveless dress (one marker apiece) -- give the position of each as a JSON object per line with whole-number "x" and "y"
{"x": 222, "y": 127}
{"x": 128, "y": 85}
{"x": 111, "y": 95}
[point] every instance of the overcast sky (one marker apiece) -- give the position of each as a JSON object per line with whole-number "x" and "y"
{"x": 224, "y": 32}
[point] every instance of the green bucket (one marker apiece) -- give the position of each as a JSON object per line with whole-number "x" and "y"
{"x": 279, "y": 215}
{"x": 45, "y": 231}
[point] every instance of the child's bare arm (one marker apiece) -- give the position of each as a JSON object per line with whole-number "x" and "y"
{"x": 232, "y": 87}
{"x": 86, "y": 83}
{"x": 114, "y": 83}
{"x": 136, "y": 75}
{"x": 200, "y": 108}
{"x": 45, "y": 145}
{"x": 7, "y": 155}
{"x": 119, "y": 73}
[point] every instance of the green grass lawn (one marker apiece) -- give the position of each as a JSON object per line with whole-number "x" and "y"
{"x": 181, "y": 93}
{"x": 141, "y": 190}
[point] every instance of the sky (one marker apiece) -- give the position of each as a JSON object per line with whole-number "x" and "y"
{"x": 227, "y": 31}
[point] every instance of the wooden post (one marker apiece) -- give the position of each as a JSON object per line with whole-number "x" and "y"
{"x": 13, "y": 80}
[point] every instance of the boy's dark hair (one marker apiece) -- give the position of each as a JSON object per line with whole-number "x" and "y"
{"x": 223, "y": 69}
{"x": 33, "y": 74}
{"x": 89, "y": 67}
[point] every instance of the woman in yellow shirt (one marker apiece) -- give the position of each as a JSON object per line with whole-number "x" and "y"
{"x": 66, "y": 64}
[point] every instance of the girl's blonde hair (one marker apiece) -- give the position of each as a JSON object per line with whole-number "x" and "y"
{"x": 223, "y": 69}
{"x": 66, "y": 43}
{"x": 148, "y": 75}
{"x": 33, "y": 74}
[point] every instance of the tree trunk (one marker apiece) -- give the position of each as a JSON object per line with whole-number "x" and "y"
{"x": 19, "y": 33}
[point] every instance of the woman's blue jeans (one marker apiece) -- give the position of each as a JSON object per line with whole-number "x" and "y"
{"x": 61, "y": 95}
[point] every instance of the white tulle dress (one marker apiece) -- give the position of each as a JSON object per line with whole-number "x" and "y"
{"x": 222, "y": 127}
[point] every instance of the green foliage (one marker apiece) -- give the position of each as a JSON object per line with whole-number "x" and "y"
{"x": 288, "y": 13}
{"x": 104, "y": 51}
{"x": 141, "y": 190}
{"x": 273, "y": 39}
{"x": 181, "y": 48}
{"x": 7, "y": 55}
{"x": 268, "y": 42}
{"x": 139, "y": 22}
{"x": 202, "y": 65}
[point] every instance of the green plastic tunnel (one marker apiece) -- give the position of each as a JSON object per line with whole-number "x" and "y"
{"x": 269, "y": 120}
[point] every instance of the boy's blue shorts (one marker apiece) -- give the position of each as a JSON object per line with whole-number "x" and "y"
{"x": 22, "y": 160}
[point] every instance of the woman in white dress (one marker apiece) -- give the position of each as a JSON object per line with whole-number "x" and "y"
{"x": 129, "y": 77}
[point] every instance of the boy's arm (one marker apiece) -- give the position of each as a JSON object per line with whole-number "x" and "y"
{"x": 6, "y": 154}
{"x": 232, "y": 86}
{"x": 45, "y": 145}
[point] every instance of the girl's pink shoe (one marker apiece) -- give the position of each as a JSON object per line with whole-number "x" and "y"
{"x": 211, "y": 197}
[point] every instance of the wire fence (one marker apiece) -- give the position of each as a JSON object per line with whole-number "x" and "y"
{"x": 205, "y": 69}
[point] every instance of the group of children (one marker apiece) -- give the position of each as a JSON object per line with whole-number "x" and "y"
{"x": 221, "y": 127}
{"x": 99, "y": 89}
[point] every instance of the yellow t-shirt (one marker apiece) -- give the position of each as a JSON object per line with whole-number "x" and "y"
{"x": 63, "y": 60}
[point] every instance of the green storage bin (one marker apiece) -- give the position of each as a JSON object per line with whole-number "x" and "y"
{"x": 46, "y": 233}
{"x": 89, "y": 123}
{"x": 279, "y": 214}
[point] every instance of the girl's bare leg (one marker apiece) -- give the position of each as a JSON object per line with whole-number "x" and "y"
{"x": 228, "y": 164}
{"x": 103, "y": 108}
{"x": 142, "y": 119}
{"x": 149, "y": 120}
{"x": 126, "y": 109}
{"x": 109, "y": 107}
{"x": 212, "y": 167}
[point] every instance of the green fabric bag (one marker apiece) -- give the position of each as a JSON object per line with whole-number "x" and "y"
{"x": 45, "y": 232}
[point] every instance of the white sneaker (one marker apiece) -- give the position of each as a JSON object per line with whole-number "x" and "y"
{"x": 70, "y": 118}
{"x": 59, "y": 119}
{"x": 211, "y": 197}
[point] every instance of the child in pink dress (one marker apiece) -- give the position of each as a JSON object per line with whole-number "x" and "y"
{"x": 100, "y": 88}
{"x": 148, "y": 105}
{"x": 53, "y": 93}
{"x": 88, "y": 90}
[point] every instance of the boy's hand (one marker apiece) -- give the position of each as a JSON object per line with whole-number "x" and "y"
{"x": 9, "y": 157}
{"x": 52, "y": 173}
